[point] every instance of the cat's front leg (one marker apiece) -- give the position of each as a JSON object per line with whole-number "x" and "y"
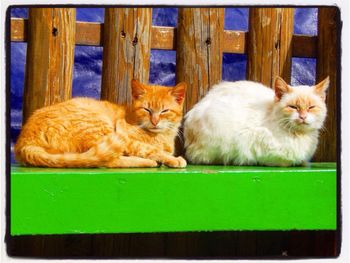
{"x": 141, "y": 149}
{"x": 144, "y": 150}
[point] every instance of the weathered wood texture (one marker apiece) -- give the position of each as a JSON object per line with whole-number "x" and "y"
{"x": 126, "y": 51}
{"x": 163, "y": 38}
{"x": 199, "y": 50}
{"x": 234, "y": 42}
{"x": 18, "y": 29}
{"x": 88, "y": 33}
{"x": 91, "y": 34}
{"x": 50, "y": 57}
{"x": 327, "y": 65}
{"x": 269, "y": 46}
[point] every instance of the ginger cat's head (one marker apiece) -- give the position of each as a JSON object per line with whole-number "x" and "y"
{"x": 300, "y": 108}
{"x": 157, "y": 108}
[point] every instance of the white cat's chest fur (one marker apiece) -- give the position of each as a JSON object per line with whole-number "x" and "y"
{"x": 233, "y": 124}
{"x": 279, "y": 147}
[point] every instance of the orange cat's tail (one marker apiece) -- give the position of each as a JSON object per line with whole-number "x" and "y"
{"x": 96, "y": 156}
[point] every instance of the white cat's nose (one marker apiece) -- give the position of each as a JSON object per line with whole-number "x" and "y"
{"x": 302, "y": 116}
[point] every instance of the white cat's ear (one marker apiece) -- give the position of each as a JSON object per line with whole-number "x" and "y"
{"x": 281, "y": 88}
{"x": 137, "y": 89}
{"x": 179, "y": 92}
{"x": 322, "y": 87}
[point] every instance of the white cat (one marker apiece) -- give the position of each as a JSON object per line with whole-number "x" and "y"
{"x": 247, "y": 123}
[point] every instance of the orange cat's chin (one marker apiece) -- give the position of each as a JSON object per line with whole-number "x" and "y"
{"x": 155, "y": 130}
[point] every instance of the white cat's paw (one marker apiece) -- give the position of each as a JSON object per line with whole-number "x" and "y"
{"x": 305, "y": 164}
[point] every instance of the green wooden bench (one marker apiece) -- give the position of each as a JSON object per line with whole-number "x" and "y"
{"x": 197, "y": 198}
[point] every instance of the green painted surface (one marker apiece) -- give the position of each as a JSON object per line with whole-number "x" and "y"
{"x": 197, "y": 198}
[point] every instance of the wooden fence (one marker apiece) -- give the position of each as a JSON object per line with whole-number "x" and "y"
{"x": 127, "y": 37}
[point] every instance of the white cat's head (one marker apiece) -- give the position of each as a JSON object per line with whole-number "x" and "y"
{"x": 300, "y": 108}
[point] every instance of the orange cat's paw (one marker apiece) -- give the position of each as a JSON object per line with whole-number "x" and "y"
{"x": 150, "y": 163}
{"x": 176, "y": 162}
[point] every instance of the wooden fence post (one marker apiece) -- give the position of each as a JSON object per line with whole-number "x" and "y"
{"x": 327, "y": 65}
{"x": 50, "y": 57}
{"x": 199, "y": 50}
{"x": 269, "y": 48}
{"x": 126, "y": 51}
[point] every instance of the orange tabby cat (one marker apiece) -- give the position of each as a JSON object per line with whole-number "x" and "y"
{"x": 83, "y": 132}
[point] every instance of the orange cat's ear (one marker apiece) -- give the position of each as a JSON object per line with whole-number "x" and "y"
{"x": 137, "y": 89}
{"x": 179, "y": 92}
{"x": 322, "y": 87}
{"x": 280, "y": 87}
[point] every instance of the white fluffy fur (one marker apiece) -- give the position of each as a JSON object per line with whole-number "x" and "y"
{"x": 241, "y": 123}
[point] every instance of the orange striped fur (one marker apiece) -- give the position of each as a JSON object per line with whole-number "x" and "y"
{"x": 84, "y": 132}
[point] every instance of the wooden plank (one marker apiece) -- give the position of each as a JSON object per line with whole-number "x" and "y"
{"x": 199, "y": 50}
{"x": 50, "y": 57}
{"x": 328, "y": 65}
{"x": 196, "y": 198}
{"x": 304, "y": 46}
{"x": 269, "y": 44}
{"x": 19, "y": 29}
{"x": 91, "y": 34}
{"x": 283, "y": 66}
{"x": 126, "y": 51}
{"x": 163, "y": 38}
{"x": 234, "y": 42}
{"x": 88, "y": 33}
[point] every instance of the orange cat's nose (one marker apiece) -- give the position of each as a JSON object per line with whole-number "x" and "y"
{"x": 154, "y": 120}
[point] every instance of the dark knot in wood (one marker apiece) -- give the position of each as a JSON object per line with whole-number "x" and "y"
{"x": 54, "y": 31}
{"x": 122, "y": 34}
{"x": 134, "y": 42}
{"x": 208, "y": 41}
{"x": 277, "y": 44}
